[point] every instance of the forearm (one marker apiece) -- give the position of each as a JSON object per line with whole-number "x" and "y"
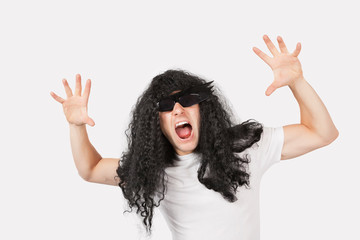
{"x": 85, "y": 155}
{"x": 313, "y": 113}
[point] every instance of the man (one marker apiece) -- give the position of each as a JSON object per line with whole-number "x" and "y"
{"x": 187, "y": 157}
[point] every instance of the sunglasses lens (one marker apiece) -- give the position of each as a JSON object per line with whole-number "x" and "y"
{"x": 189, "y": 100}
{"x": 166, "y": 105}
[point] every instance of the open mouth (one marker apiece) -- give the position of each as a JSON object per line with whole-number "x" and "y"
{"x": 184, "y": 131}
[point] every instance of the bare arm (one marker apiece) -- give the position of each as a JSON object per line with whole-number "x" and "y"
{"x": 89, "y": 163}
{"x": 85, "y": 155}
{"x": 105, "y": 172}
{"x": 316, "y": 128}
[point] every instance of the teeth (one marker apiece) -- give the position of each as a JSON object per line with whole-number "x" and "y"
{"x": 181, "y": 123}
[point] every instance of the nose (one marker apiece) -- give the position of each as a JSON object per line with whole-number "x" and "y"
{"x": 178, "y": 109}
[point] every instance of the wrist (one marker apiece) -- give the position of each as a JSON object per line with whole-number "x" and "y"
{"x": 297, "y": 82}
{"x": 73, "y": 125}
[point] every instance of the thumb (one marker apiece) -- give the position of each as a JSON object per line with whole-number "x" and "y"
{"x": 270, "y": 90}
{"x": 90, "y": 122}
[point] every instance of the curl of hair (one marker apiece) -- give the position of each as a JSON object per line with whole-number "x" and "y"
{"x": 141, "y": 169}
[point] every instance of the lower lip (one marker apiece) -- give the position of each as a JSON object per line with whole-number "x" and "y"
{"x": 186, "y": 139}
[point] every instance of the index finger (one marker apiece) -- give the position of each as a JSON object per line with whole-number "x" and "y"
{"x": 262, "y": 55}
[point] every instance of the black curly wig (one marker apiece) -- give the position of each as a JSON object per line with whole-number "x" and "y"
{"x": 141, "y": 170}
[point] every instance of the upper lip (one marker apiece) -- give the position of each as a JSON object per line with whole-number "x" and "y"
{"x": 183, "y": 120}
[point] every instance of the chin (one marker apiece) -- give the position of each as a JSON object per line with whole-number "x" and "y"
{"x": 186, "y": 145}
{"x": 185, "y": 151}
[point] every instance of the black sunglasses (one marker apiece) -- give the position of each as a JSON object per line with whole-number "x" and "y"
{"x": 186, "y": 98}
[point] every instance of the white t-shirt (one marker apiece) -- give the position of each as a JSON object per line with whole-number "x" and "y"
{"x": 193, "y": 211}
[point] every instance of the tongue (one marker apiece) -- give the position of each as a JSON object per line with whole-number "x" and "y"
{"x": 183, "y": 132}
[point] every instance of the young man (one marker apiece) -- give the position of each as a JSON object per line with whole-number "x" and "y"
{"x": 187, "y": 157}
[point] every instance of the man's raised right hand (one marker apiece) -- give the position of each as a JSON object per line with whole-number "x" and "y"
{"x": 75, "y": 106}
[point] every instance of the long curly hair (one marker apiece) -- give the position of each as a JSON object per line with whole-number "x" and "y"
{"x": 141, "y": 169}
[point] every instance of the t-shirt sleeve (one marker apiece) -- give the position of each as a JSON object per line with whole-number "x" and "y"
{"x": 270, "y": 147}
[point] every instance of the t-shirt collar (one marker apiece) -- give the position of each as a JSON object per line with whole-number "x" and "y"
{"x": 187, "y": 159}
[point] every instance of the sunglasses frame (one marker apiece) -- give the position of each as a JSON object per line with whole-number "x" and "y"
{"x": 202, "y": 91}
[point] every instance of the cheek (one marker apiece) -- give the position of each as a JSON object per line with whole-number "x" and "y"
{"x": 163, "y": 121}
{"x": 197, "y": 116}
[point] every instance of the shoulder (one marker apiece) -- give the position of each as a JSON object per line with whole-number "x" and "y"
{"x": 270, "y": 136}
{"x": 267, "y": 150}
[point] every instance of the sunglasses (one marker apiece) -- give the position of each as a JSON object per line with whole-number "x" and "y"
{"x": 186, "y": 98}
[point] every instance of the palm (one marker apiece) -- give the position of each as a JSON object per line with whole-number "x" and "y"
{"x": 75, "y": 106}
{"x": 286, "y": 66}
{"x": 286, "y": 69}
{"x": 75, "y": 110}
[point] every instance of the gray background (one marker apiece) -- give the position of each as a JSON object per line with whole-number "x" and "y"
{"x": 121, "y": 46}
